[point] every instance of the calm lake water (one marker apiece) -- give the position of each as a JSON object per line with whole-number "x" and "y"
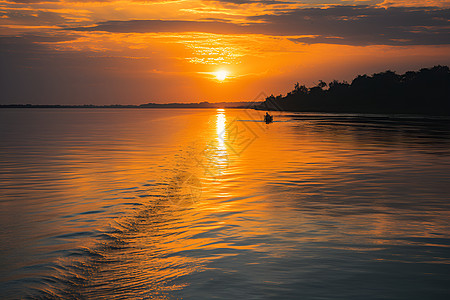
{"x": 211, "y": 204}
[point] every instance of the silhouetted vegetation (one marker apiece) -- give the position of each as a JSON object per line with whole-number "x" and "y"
{"x": 426, "y": 91}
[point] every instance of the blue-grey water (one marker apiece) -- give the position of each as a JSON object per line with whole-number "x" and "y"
{"x": 214, "y": 204}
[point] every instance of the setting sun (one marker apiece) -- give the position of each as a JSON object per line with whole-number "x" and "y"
{"x": 221, "y": 75}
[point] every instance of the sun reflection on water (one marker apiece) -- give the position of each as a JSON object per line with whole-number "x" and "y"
{"x": 216, "y": 153}
{"x": 220, "y": 128}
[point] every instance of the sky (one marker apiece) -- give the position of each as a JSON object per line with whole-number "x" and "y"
{"x": 135, "y": 51}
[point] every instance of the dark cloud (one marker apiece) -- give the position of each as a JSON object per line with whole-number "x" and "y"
{"x": 364, "y": 25}
{"x": 143, "y": 26}
{"x": 351, "y": 25}
{"x": 263, "y": 2}
{"x": 37, "y": 17}
{"x": 33, "y": 1}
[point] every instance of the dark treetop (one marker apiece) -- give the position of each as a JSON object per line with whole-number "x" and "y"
{"x": 423, "y": 92}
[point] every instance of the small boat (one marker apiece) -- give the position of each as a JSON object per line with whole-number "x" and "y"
{"x": 268, "y": 118}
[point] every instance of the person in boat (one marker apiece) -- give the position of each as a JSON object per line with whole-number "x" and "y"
{"x": 268, "y": 118}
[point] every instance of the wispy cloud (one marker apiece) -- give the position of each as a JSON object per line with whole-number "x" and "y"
{"x": 351, "y": 25}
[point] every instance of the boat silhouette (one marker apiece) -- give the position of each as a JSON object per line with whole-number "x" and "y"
{"x": 268, "y": 118}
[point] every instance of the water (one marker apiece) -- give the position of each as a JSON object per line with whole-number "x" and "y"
{"x": 211, "y": 204}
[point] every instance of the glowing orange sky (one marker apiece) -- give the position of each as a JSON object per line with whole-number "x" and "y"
{"x": 133, "y": 52}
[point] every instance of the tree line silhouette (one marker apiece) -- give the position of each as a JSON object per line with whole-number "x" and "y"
{"x": 426, "y": 91}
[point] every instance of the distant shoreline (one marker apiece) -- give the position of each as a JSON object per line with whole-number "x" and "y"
{"x": 229, "y": 105}
{"x": 255, "y": 106}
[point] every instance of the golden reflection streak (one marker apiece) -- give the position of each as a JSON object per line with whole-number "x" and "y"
{"x": 220, "y": 128}
{"x": 218, "y": 154}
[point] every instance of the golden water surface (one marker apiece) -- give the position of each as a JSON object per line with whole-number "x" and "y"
{"x": 203, "y": 204}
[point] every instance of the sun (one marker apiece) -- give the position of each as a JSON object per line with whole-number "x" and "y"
{"x": 221, "y": 75}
